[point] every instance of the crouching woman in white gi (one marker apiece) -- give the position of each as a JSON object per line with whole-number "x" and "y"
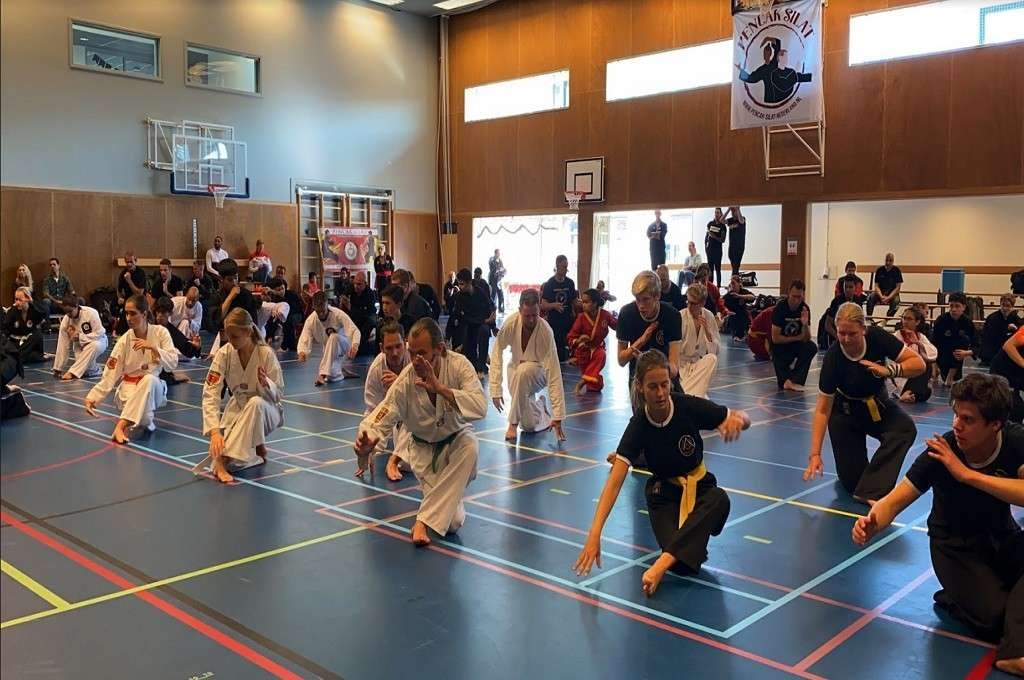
{"x": 434, "y": 398}
{"x": 249, "y": 368}
{"x": 81, "y": 335}
{"x": 135, "y": 363}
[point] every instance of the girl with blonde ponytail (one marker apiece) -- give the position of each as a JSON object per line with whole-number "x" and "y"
{"x": 684, "y": 503}
{"x": 250, "y": 371}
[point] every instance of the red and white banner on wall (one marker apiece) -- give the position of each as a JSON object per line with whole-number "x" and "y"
{"x": 776, "y": 63}
{"x": 345, "y": 247}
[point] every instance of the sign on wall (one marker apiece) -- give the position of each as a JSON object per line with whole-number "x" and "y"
{"x": 776, "y": 63}
{"x": 344, "y": 247}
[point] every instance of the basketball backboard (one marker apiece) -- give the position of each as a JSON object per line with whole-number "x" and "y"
{"x": 200, "y": 161}
{"x": 586, "y": 175}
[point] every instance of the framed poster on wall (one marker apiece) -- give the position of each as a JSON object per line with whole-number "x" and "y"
{"x": 347, "y": 247}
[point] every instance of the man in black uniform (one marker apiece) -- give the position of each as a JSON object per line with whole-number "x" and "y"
{"x": 429, "y": 295}
{"x": 556, "y": 303}
{"x": 475, "y": 305}
{"x": 391, "y": 310}
{"x": 854, "y": 404}
{"x": 792, "y": 349}
{"x": 656, "y": 237}
{"x": 362, "y": 309}
{"x": 229, "y": 296}
{"x": 670, "y": 293}
{"x": 999, "y": 326}
{"x": 495, "y": 273}
{"x": 888, "y": 282}
{"x": 975, "y": 472}
{"x": 953, "y": 335}
{"x": 131, "y": 281}
{"x": 413, "y": 306}
{"x": 737, "y": 225}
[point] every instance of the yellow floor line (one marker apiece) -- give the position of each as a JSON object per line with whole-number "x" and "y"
{"x": 35, "y": 586}
{"x": 174, "y": 579}
{"x": 503, "y": 478}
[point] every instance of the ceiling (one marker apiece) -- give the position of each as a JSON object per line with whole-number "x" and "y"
{"x": 426, "y": 7}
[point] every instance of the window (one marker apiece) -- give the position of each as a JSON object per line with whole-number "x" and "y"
{"x": 544, "y": 92}
{"x": 220, "y": 69}
{"x": 114, "y": 50}
{"x": 672, "y": 71}
{"x": 934, "y": 27}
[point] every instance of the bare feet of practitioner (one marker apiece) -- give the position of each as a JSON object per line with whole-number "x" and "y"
{"x": 220, "y": 471}
{"x": 419, "y": 534}
{"x": 908, "y": 398}
{"x": 68, "y": 376}
{"x": 121, "y": 431}
{"x": 1012, "y": 666}
{"x": 510, "y": 433}
{"x": 580, "y": 387}
{"x": 261, "y": 451}
{"x": 320, "y": 381}
{"x": 792, "y": 386}
{"x": 392, "y": 470}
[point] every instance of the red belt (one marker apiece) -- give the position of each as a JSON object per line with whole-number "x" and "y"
{"x": 132, "y": 379}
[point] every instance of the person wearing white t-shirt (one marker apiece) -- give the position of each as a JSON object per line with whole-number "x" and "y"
{"x": 215, "y": 255}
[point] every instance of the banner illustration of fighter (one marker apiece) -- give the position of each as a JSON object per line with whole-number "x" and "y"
{"x": 346, "y": 247}
{"x": 776, "y": 63}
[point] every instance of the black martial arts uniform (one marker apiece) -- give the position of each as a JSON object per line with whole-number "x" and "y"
{"x": 792, "y": 359}
{"x": 563, "y": 291}
{"x": 951, "y": 334}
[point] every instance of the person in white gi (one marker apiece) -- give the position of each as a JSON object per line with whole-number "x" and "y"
{"x": 188, "y": 313}
{"x": 332, "y": 328}
{"x": 698, "y": 354}
{"x": 385, "y": 369}
{"x": 249, "y": 368}
{"x": 83, "y": 335}
{"x": 134, "y": 366}
{"x": 434, "y": 398}
{"x": 533, "y": 367}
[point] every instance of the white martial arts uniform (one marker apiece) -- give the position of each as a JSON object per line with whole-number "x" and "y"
{"x": 929, "y": 354}
{"x": 137, "y": 376}
{"x": 271, "y": 310}
{"x": 337, "y": 334}
{"x": 698, "y": 356}
{"x": 529, "y": 371}
{"x": 253, "y": 411}
{"x": 442, "y": 449}
{"x": 189, "y": 320}
{"x": 86, "y": 348}
{"x": 374, "y": 392}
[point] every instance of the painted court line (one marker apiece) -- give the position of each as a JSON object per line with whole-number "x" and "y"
{"x": 35, "y": 586}
{"x": 757, "y": 539}
{"x": 55, "y": 466}
{"x": 208, "y": 631}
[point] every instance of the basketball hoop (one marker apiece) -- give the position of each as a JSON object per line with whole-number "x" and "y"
{"x": 220, "y": 192}
{"x": 573, "y": 198}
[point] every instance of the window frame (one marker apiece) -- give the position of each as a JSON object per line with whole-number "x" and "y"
{"x": 925, "y": 55}
{"x": 87, "y": 23}
{"x": 216, "y": 88}
{"x": 568, "y": 96}
{"x": 663, "y": 92}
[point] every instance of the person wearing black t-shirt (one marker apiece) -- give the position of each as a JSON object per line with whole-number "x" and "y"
{"x": 646, "y": 324}
{"x": 166, "y": 284}
{"x": 792, "y": 349}
{"x": 557, "y": 296}
{"x": 975, "y": 473}
{"x": 670, "y": 292}
{"x": 475, "y": 306}
{"x": 854, "y": 404}
{"x": 684, "y": 503}
{"x": 1009, "y": 363}
{"x": 849, "y": 294}
{"x": 737, "y": 225}
{"x": 737, "y": 300}
{"x": 656, "y": 231}
{"x": 22, "y": 328}
{"x": 953, "y": 335}
{"x": 229, "y": 296}
{"x": 132, "y": 281}
{"x": 850, "y": 275}
{"x": 713, "y": 240}
{"x": 189, "y": 348}
{"x": 362, "y": 307}
{"x": 999, "y": 326}
{"x": 888, "y": 282}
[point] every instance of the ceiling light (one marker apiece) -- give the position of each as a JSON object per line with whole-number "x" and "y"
{"x": 454, "y": 4}
{"x": 389, "y": 3}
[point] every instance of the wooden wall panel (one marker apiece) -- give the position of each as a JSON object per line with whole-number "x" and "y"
{"x": 694, "y": 154}
{"x": 503, "y": 41}
{"x": 652, "y": 25}
{"x": 917, "y": 95}
{"x": 468, "y": 167}
{"x": 988, "y": 96}
{"x": 180, "y": 211}
{"x": 278, "y": 230}
{"x": 740, "y": 156}
{"x": 83, "y": 224}
{"x": 609, "y": 134}
{"x": 538, "y": 35}
{"x": 239, "y": 223}
{"x": 856, "y": 119}
{"x": 609, "y": 38}
{"x": 534, "y": 160}
{"x": 138, "y": 225}
{"x": 499, "y": 166}
{"x": 699, "y": 21}
{"x": 572, "y": 48}
{"x": 571, "y": 140}
{"x": 467, "y": 51}
{"x": 650, "y": 149}
{"x": 796, "y": 220}
{"x": 26, "y": 229}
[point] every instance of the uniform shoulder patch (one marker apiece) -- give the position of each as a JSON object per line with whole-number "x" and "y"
{"x": 87, "y": 327}
{"x": 212, "y": 378}
{"x": 112, "y": 363}
{"x": 382, "y": 413}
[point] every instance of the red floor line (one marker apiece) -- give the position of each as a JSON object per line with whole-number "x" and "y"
{"x": 55, "y": 466}
{"x": 720, "y": 646}
{"x": 848, "y": 632}
{"x": 246, "y": 652}
{"x": 982, "y": 668}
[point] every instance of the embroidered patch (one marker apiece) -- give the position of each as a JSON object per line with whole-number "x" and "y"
{"x": 686, "y": 445}
{"x": 381, "y": 415}
{"x": 87, "y": 327}
{"x": 659, "y": 338}
{"x": 212, "y": 378}
{"x": 112, "y": 363}
{"x": 29, "y": 323}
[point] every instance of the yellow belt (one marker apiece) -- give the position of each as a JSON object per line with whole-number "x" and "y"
{"x": 870, "y": 402}
{"x": 688, "y": 483}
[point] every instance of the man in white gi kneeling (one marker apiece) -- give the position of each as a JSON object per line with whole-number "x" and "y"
{"x": 435, "y": 398}
{"x": 332, "y": 328}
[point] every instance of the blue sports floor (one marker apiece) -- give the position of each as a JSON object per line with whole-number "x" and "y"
{"x": 119, "y": 563}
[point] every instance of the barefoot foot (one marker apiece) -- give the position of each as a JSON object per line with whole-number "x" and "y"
{"x": 510, "y": 433}
{"x": 121, "y": 432}
{"x": 261, "y": 451}
{"x": 320, "y": 381}
{"x": 220, "y": 471}
{"x": 419, "y": 534}
{"x": 792, "y": 386}
{"x": 392, "y": 470}
{"x": 908, "y": 398}
{"x": 68, "y": 376}
{"x": 1012, "y": 666}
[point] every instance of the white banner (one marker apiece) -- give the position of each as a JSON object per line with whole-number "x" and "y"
{"x": 776, "y": 64}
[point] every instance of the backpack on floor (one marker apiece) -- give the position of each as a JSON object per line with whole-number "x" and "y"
{"x": 763, "y": 302}
{"x": 748, "y": 279}
{"x": 760, "y": 334}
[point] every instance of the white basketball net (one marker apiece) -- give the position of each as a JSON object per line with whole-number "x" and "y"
{"x": 220, "y": 192}
{"x": 573, "y": 198}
